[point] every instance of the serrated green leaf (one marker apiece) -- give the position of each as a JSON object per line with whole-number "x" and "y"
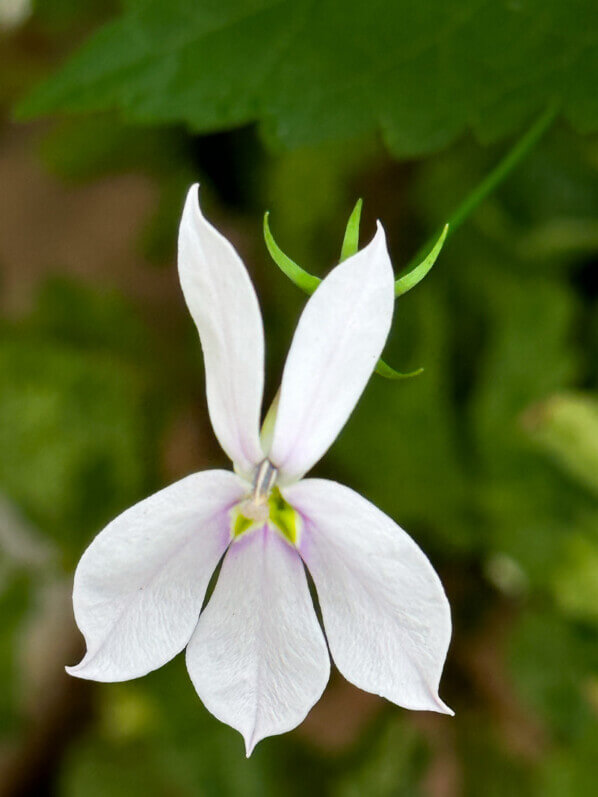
{"x": 418, "y": 73}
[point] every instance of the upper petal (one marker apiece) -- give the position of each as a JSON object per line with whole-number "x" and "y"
{"x": 258, "y": 658}
{"x": 385, "y": 613}
{"x": 222, "y": 301}
{"x": 339, "y": 338}
{"x": 140, "y": 585}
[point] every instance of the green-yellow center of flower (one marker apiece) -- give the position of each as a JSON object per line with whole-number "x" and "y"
{"x": 265, "y": 504}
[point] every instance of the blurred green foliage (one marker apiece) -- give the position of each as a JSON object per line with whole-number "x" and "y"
{"x": 14, "y": 603}
{"x": 566, "y": 426}
{"x": 489, "y": 458}
{"x": 394, "y": 765}
{"x": 77, "y": 412}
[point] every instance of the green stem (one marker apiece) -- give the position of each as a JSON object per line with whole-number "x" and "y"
{"x": 493, "y": 179}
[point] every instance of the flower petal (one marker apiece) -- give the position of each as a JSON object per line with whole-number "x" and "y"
{"x": 339, "y": 338}
{"x": 140, "y": 585}
{"x": 258, "y": 658}
{"x": 385, "y": 613}
{"x": 222, "y": 301}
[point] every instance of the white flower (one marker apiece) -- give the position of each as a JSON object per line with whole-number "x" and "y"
{"x": 256, "y": 654}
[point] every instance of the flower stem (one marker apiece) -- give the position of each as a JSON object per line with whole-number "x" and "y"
{"x": 492, "y": 180}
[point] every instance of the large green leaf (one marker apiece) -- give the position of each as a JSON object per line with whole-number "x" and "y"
{"x": 418, "y": 72}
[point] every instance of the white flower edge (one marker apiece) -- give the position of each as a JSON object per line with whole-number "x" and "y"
{"x": 385, "y": 612}
{"x": 223, "y": 304}
{"x": 258, "y": 658}
{"x": 140, "y": 585}
{"x": 335, "y": 348}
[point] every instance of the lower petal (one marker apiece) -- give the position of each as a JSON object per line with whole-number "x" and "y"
{"x": 258, "y": 658}
{"x": 385, "y": 613}
{"x": 140, "y": 585}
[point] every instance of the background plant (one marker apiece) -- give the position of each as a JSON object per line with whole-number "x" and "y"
{"x": 488, "y": 458}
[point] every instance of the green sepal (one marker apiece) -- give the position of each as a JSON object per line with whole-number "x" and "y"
{"x": 416, "y": 274}
{"x": 308, "y": 282}
{"x": 351, "y": 239}
{"x": 384, "y": 370}
{"x": 283, "y": 516}
{"x": 298, "y": 276}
